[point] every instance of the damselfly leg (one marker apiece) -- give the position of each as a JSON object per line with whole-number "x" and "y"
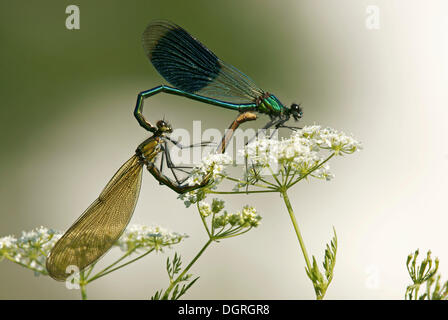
{"x": 166, "y": 157}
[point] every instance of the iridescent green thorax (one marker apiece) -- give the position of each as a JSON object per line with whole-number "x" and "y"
{"x": 269, "y": 104}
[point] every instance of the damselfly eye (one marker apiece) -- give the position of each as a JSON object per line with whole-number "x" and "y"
{"x": 161, "y": 124}
{"x": 296, "y": 111}
{"x": 295, "y": 107}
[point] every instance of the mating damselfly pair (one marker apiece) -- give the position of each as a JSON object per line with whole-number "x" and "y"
{"x": 195, "y": 73}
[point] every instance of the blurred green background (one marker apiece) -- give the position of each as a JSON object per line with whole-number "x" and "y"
{"x": 67, "y": 125}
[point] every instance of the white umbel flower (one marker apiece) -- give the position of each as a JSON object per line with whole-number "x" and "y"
{"x": 144, "y": 237}
{"x": 300, "y": 154}
{"x": 31, "y": 248}
{"x": 212, "y": 165}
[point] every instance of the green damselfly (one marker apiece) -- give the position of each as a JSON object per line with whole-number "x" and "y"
{"x": 197, "y": 73}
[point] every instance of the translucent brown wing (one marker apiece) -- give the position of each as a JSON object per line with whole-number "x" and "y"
{"x": 94, "y": 233}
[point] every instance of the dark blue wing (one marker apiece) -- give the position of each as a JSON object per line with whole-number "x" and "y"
{"x": 189, "y": 66}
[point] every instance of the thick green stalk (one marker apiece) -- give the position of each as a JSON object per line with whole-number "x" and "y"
{"x": 82, "y": 285}
{"x": 296, "y": 228}
{"x": 83, "y": 291}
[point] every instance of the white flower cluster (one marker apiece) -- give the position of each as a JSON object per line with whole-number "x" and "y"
{"x": 328, "y": 138}
{"x": 212, "y": 165}
{"x": 7, "y": 242}
{"x": 248, "y": 217}
{"x": 148, "y": 237}
{"x": 301, "y": 153}
{"x": 205, "y": 208}
{"x": 31, "y": 249}
{"x": 191, "y": 197}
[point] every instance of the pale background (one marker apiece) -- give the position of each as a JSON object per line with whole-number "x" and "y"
{"x": 67, "y": 125}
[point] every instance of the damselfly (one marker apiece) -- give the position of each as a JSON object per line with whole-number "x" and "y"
{"x": 197, "y": 73}
{"x": 97, "y": 229}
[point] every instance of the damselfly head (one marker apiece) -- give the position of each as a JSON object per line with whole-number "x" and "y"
{"x": 164, "y": 126}
{"x": 296, "y": 111}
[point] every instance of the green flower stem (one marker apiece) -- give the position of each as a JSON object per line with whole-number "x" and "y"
{"x": 212, "y": 225}
{"x": 241, "y": 181}
{"x": 109, "y": 267}
{"x": 82, "y": 285}
{"x": 268, "y": 186}
{"x": 311, "y": 171}
{"x": 296, "y": 228}
{"x": 274, "y": 175}
{"x": 108, "y": 270}
{"x": 271, "y": 185}
{"x": 290, "y": 179}
{"x": 173, "y": 283}
{"x": 242, "y": 192}
{"x": 232, "y": 234}
{"x": 90, "y": 269}
{"x": 416, "y": 292}
{"x": 7, "y": 256}
{"x": 204, "y": 222}
{"x": 287, "y": 175}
